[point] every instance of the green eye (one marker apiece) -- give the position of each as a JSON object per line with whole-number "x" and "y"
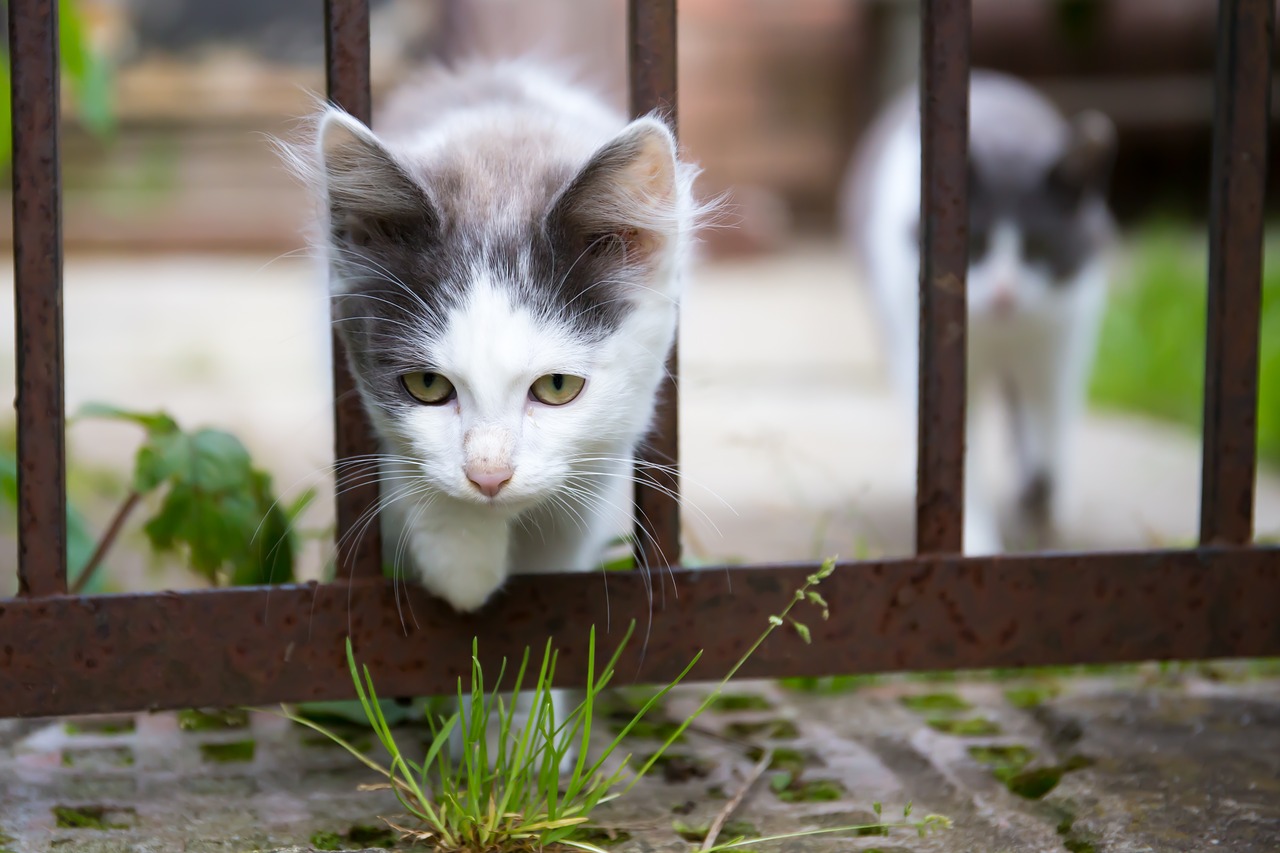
{"x": 427, "y": 387}
{"x": 556, "y": 389}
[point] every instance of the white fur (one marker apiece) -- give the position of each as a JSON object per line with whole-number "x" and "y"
{"x": 1039, "y": 342}
{"x": 569, "y": 492}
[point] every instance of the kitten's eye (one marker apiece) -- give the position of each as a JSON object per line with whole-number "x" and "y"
{"x": 556, "y": 389}
{"x": 427, "y": 387}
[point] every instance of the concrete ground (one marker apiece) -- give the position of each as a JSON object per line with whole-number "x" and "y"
{"x": 793, "y": 448}
{"x": 1140, "y": 761}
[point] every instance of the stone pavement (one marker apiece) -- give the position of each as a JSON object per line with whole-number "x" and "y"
{"x": 1137, "y": 760}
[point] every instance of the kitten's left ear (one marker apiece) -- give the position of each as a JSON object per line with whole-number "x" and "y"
{"x": 625, "y": 198}
{"x": 1086, "y": 163}
{"x": 370, "y": 195}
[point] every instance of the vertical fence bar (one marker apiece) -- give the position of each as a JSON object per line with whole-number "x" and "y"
{"x": 944, "y": 132}
{"x": 1242, "y": 101}
{"x": 651, "y": 58}
{"x": 37, "y": 270}
{"x": 346, "y": 47}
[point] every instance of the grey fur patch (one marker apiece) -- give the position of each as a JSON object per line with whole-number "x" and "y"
{"x": 1027, "y": 165}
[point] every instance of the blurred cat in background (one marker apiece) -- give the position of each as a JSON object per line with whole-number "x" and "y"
{"x": 1039, "y": 230}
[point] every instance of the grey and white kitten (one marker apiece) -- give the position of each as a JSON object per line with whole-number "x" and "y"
{"x": 1038, "y": 234}
{"x": 507, "y": 255}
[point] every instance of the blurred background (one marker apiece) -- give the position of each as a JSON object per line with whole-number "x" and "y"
{"x": 189, "y": 290}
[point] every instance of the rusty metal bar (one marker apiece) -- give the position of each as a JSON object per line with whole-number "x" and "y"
{"x": 1242, "y": 101}
{"x": 651, "y": 58}
{"x": 944, "y": 214}
{"x": 346, "y": 45}
{"x": 65, "y": 655}
{"x": 37, "y": 270}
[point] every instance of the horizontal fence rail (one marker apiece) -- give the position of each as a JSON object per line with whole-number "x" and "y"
{"x": 1242, "y": 111}
{"x": 253, "y": 646}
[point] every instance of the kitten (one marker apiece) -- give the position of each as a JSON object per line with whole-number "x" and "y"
{"x": 1038, "y": 233}
{"x": 507, "y": 256}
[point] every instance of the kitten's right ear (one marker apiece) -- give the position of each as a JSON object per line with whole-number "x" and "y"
{"x": 1086, "y": 163}
{"x": 626, "y": 197}
{"x": 370, "y": 196}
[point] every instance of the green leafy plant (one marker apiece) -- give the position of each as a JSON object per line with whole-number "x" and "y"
{"x": 87, "y": 74}
{"x": 80, "y": 539}
{"x": 215, "y": 506}
{"x": 513, "y": 796}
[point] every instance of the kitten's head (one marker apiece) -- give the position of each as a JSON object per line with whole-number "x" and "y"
{"x": 1037, "y": 207}
{"x": 506, "y": 301}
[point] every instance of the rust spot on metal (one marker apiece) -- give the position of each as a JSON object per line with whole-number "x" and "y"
{"x": 950, "y": 621}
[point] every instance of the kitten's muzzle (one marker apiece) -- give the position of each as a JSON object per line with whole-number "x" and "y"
{"x": 489, "y": 480}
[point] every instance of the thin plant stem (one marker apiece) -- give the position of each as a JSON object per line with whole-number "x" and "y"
{"x": 730, "y": 807}
{"x": 105, "y": 543}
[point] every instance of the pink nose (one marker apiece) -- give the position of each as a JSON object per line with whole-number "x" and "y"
{"x": 489, "y": 480}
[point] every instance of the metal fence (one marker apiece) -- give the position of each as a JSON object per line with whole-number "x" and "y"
{"x": 63, "y": 654}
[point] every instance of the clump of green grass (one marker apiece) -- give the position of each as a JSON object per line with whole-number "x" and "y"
{"x": 197, "y": 720}
{"x": 107, "y": 726}
{"x": 1005, "y": 762}
{"x": 1031, "y": 696}
{"x": 831, "y": 685}
{"x": 741, "y": 702}
{"x": 89, "y": 817}
{"x": 698, "y": 832}
{"x": 512, "y": 797}
{"x": 790, "y": 788}
{"x": 793, "y": 761}
{"x": 1151, "y": 349}
{"x": 228, "y": 753}
{"x": 969, "y": 727}
{"x": 938, "y": 703}
{"x": 358, "y": 836}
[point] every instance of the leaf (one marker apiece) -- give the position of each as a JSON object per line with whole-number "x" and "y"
{"x": 803, "y": 630}
{"x": 780, "y": 781}
{"x": 153, "y": 423}
{"x": 216, "y": 505}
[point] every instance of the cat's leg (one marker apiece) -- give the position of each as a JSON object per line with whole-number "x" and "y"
{"x": 571, "y": 534}
{"x": 1046, "y": 395}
